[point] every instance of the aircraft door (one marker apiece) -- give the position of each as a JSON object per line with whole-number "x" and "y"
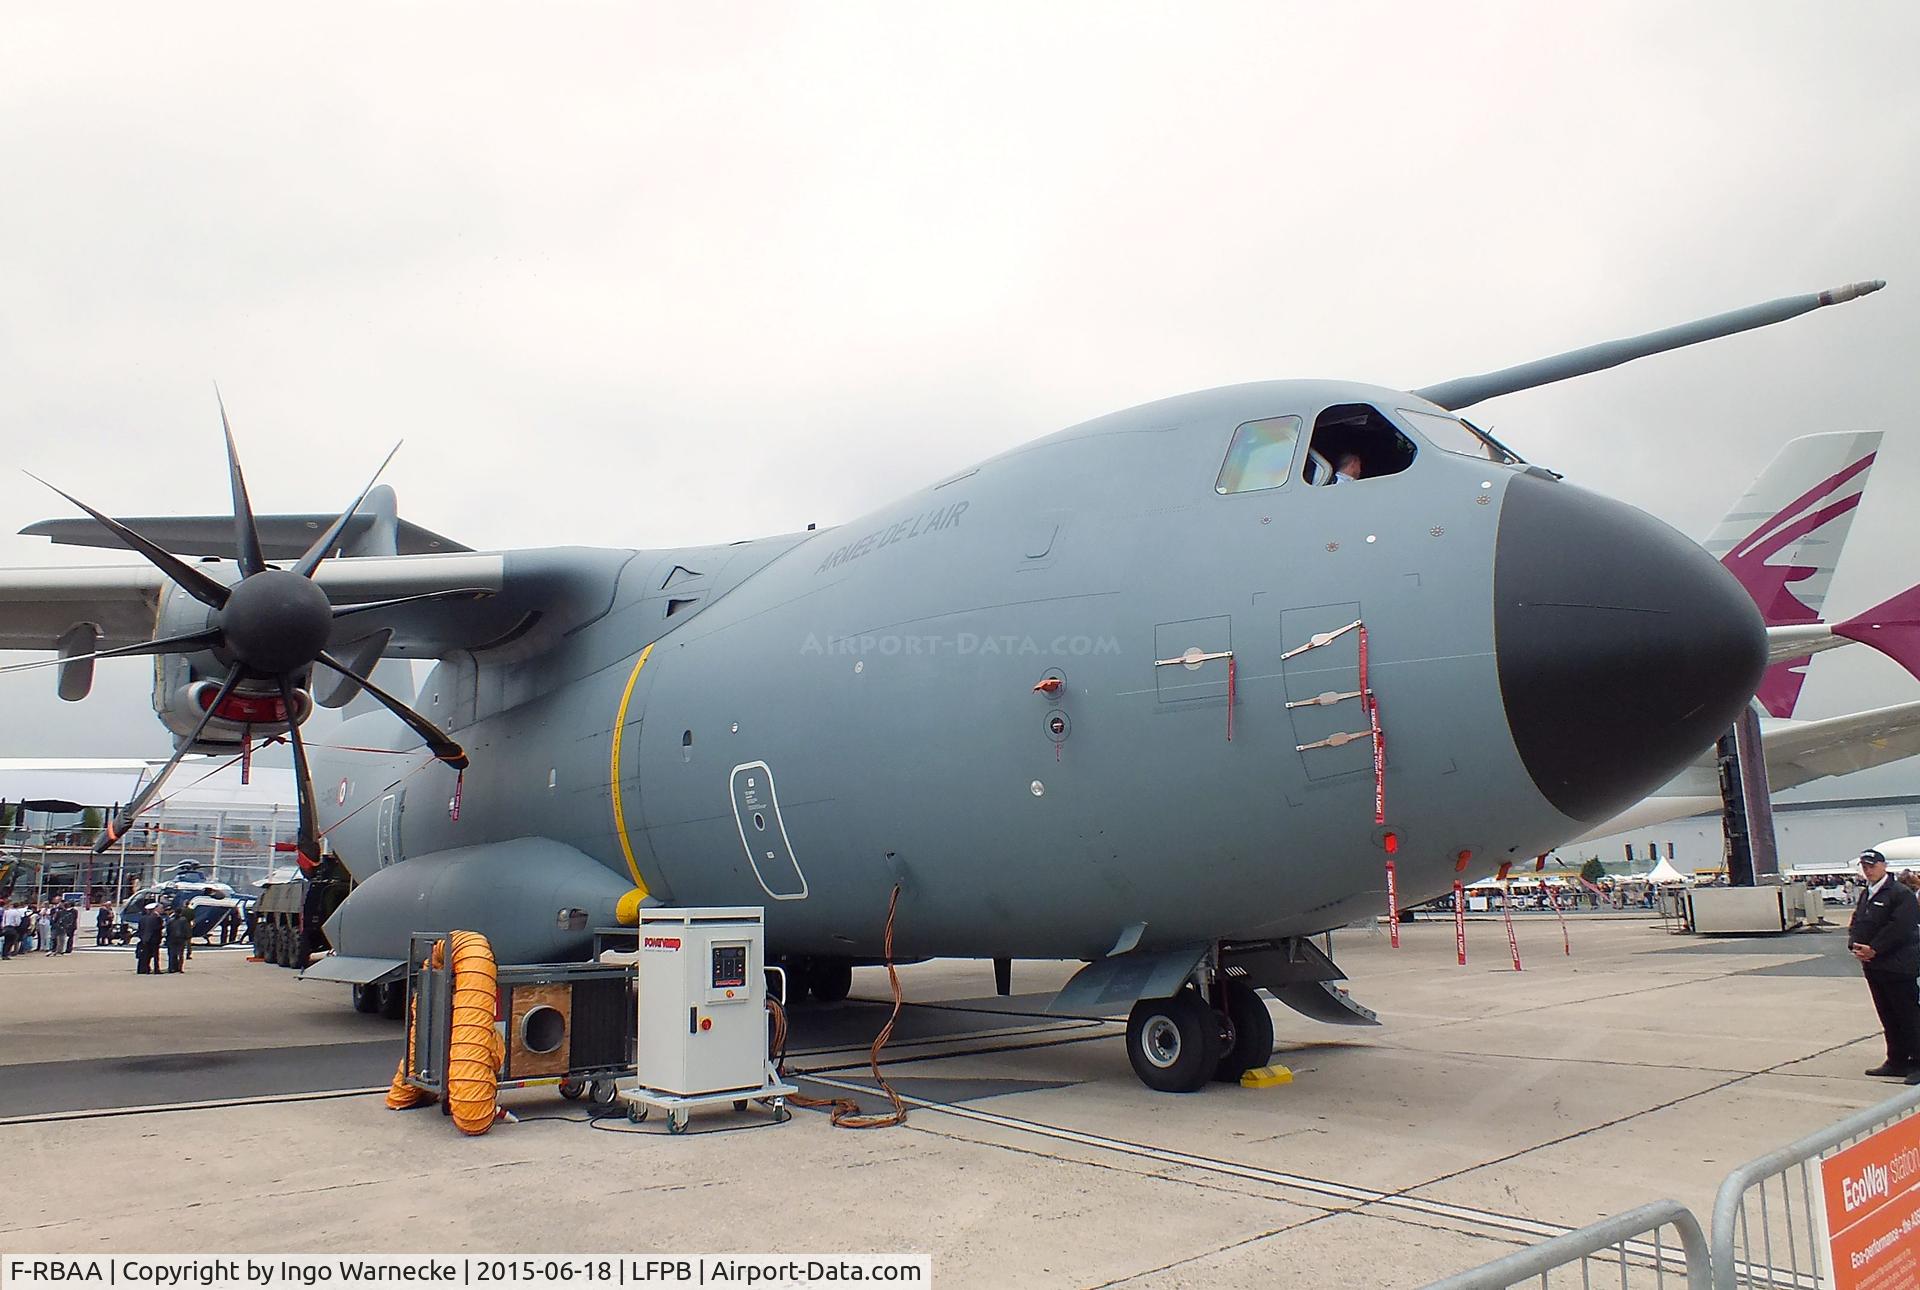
{"x": 756, "y": 809}
{"x": 388, "y": 830}
{"x": 1330, "y": 723}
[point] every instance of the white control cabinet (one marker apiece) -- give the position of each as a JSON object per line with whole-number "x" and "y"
{"x": 703, "y": 1001}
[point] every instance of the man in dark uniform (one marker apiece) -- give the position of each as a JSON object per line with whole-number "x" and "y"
{"x": 147, "y": 943}
{"x": 180, "y": 929}
{"x": 1885, "y": 936}
{"x": 103, "y": 926}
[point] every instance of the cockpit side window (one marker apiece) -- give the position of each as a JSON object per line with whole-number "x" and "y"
{"x": 1355, "y": 442}
{"x": 1260, "y": 456}
{"x": 1456, "y": 435}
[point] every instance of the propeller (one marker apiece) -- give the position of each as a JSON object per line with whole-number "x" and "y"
{"x": 270, "y": 628}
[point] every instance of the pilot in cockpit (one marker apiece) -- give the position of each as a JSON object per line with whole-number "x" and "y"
{"x": 1347, "y": 467}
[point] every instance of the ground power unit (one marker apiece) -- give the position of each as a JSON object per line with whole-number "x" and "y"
{"x": 567, "y": 1024}
{"x": 703, "y": 1023}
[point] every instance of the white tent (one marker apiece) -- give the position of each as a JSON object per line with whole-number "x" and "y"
{"x": 1664, "y": 872}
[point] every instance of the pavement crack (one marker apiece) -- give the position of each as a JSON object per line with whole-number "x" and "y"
{"x": 1244, "y": 1241}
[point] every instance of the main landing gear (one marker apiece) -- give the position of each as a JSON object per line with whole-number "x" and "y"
{"x": 1179, "y": 1044}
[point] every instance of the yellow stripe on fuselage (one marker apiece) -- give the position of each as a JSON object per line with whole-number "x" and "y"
{"x": 619, "y": 814}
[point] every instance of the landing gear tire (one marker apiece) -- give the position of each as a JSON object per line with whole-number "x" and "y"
{"x": 831, "y": 979}
{"x": 1252, "y": 1033}
{"x": 1174, "y": 1043}
{"x": 366, "y": 999}
{"x": 393, "y": 1000}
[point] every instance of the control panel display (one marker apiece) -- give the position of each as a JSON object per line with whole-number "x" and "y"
{"x": 729, "y": 966}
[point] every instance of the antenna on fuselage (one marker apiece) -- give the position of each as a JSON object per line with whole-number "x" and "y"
{"x": 1465, "y": 391}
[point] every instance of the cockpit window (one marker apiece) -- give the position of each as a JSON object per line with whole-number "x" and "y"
{"x": 1355, "y": 441}
{"x": 1452, "y": 434}
{"x": 1260, "y": 456}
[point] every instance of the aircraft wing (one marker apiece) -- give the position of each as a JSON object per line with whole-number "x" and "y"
{"x": 1798, "y": 752}
{"x": 39, "y": 606}
{"x": 1808, "y": 750}
{"x": 375, "y": 528}
{"x": 282, "y": 537}
{"x": 529, "y": 594}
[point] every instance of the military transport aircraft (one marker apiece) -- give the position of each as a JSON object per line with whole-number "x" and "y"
{"x": 1165, "y": 691}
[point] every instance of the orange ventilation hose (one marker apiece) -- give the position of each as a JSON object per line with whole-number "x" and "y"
{"x": 474, "y": 1051}
{"x": 404, "y": 1096}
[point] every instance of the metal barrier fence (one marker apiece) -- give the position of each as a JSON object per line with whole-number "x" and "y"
{"x": 1751, "y": 1231}
{"x": 1612, "y": 1245}
{"x": 1763, "y": 1213}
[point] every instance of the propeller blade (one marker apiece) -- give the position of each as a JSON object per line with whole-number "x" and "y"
{"x": 309, "y": 836}
{"x": 118, "y": 828}
{"x": 191, "y": 580}
{"x": 246, "y": 534}
{"x": 457, "y": 593}
{"x": 165, "y": 645}
{"x": 318, "y": 551}
{"x": 444, "y": 746}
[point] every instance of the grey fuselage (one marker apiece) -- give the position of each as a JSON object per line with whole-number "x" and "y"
{"x": 822, "y": 715}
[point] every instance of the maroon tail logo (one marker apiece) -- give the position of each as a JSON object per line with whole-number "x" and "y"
{"x": 1772, "y": 585}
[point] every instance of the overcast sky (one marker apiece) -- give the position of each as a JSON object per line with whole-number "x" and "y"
{"x": 655, "y": 275}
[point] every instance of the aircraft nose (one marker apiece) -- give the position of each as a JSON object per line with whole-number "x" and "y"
{"x": 1624, "y": 649}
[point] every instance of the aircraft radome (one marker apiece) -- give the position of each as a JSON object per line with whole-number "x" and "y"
{"x": 1109, "y": 696}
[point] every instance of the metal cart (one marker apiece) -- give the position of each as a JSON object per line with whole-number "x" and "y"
{"x": 566, "y": 1024}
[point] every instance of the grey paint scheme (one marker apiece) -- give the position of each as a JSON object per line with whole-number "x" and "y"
{"x": 884, "y": 672}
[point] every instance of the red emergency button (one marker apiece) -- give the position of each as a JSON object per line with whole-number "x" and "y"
{"x": 706, "y": 1023}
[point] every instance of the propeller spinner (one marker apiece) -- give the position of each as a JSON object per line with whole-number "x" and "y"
{"x": 271, "y": 627}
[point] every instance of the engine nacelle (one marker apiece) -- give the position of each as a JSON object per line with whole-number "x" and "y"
{"x": 185, "y": 685}
{"x": 182, "y": 694}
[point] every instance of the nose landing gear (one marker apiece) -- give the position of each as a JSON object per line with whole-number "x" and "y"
{"x": 1180, "y": 1044}
{"x": 1175, "y": 1043}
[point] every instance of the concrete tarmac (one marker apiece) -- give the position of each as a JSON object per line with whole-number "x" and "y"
{"x": 226, "y": 1110}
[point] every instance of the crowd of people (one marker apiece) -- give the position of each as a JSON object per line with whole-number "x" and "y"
{"x": 50, "y": 928}
{"x": 27, "y": 928}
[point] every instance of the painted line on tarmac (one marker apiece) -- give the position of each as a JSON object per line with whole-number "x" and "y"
{"x": 214, "y": 1104}
{"x": 990, "y": 1050}
{"x": 1064, "y": 1026}
{"x": 1354, "y": 1195}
